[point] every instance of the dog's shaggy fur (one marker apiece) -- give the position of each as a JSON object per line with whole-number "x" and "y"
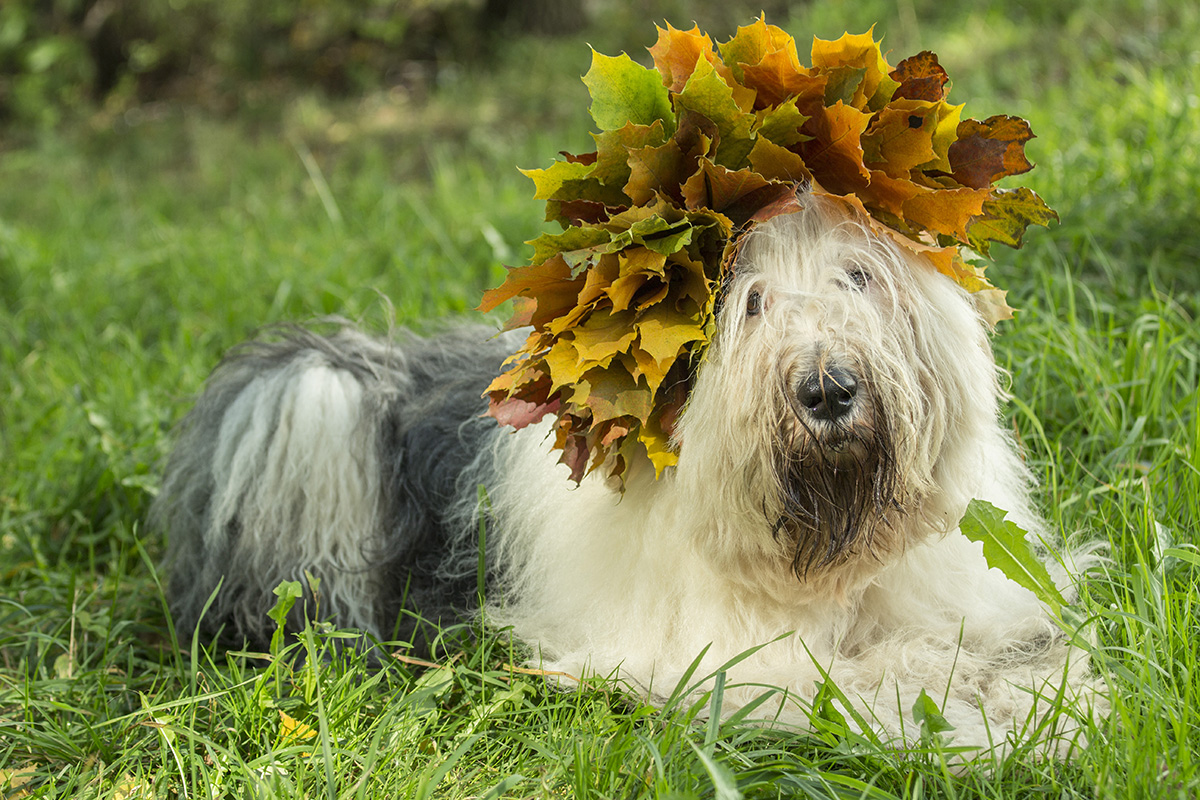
{"x": 844, "y": 416}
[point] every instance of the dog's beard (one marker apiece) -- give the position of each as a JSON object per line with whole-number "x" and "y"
{"x": 836, "y": 484}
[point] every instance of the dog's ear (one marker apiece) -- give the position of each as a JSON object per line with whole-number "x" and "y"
{"x": 954, "y": 361}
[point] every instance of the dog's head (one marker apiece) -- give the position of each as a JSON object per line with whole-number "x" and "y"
{"x": 844, "y": 375}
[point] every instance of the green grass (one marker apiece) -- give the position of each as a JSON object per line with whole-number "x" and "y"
{"x": 135, "y": 249}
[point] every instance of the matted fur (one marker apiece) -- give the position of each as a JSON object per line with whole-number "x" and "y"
{"x": 830, "y": 538}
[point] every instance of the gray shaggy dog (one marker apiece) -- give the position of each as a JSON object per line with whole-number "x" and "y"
{"x": 844, "y": 416}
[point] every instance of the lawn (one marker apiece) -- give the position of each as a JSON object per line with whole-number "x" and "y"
{"x": 135, "y": 247}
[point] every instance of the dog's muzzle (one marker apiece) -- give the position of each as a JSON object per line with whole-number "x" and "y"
{"x": 835, "y": 468}
{"x": 828, "y": 395}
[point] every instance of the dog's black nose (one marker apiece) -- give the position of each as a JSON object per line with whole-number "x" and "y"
{"x": 829, "y": 394}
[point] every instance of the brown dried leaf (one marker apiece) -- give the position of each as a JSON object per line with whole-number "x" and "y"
{"x": 990, "y": 150}
{"x": 921, "y": 77}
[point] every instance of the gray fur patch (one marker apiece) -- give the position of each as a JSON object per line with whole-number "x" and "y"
{"x": 341, "y": 455}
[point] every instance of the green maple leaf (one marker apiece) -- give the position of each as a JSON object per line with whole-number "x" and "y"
{"x": 843, "y": 83}
{"x": 661, "y": 235}
{"x": 613, "y": 147}
{"x": 1005, "y": 216}
{"x": 623, "y": 91}
{"x": 562, "y": 180}
{"x": 572, "y": 240}
{"x": 707, "y": 94}
{"x": 781, "y": 124}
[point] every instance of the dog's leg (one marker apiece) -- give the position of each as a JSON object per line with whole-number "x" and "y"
{"x": 941, "y": 621}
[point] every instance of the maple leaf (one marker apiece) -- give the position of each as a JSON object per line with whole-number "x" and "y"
{"x": 987, "y": 151}
{"x": 560, "y": 178}
{"x": 708, "y": 95}
{"x": 658, "y": 448}
{"x": 575, "y": 212}
{"x": 765, "y": 59}
{"x": 778, "y": 163}
{"x": 518, "y": 413}
{"x": 921, "y": 77}
{"x": 945, "y": 211}
{"x": 736, "y": 194}
{"x": 655, "y": 170}
{"x": 781, "y": 124}
{"x": 778, "y": 78}
{"x": 856, "y": 56}
{"x": 611, "y": 394}
{"x": 834, "y": 153}
{"x": 944, "y": 136}
{"x": 1005, "y": 216}
{"x": 677, "y": 55}
{"x": 690, "y": 156}
{"x": 550, "y": 284}
{"x": 572, "y": 244}
{"x": 643, "y": 366}
{"x": 886, "y": 196}
{"x": 676, "y": 52}
{"x": 612, "y": 151}
{"x": 605, "y": 334}
{"x": 899, "y": 138}
{"x": 752, "y": 43}
{"x": 623, "y": 91}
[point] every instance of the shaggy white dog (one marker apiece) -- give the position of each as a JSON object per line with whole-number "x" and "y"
{"x": 843, "y": 418}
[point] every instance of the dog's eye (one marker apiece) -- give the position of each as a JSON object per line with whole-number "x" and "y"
{"x": 754, "y": 304}
{"x": 859, "y": 277}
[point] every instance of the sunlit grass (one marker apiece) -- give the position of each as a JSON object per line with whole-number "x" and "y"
{"x": 134, "y": 252}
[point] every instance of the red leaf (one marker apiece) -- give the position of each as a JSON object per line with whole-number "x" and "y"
{"x": 576, "y": 212}
{"x": 519, "y": 413}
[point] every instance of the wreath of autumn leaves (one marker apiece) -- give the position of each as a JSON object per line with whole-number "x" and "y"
{"x": 691, "y": 156}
